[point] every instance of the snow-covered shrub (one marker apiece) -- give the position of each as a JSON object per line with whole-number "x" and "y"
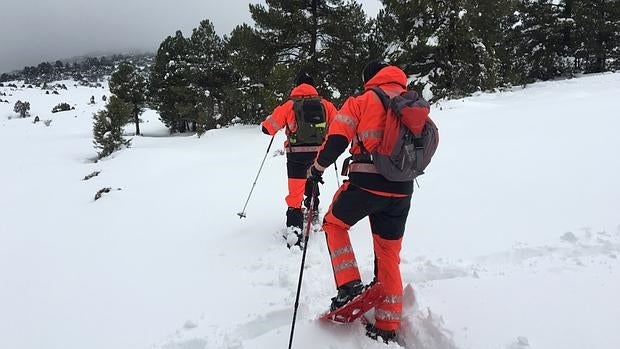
{"x": 61, "y": 107}
{"x": 22, "y": 108}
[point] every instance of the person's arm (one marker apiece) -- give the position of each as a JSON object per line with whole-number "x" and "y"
{"x": 330, "y": 111}
{"x": 277, "y": 119}
{"x": 333, "y": 147}
{"x": 341, "y": 131}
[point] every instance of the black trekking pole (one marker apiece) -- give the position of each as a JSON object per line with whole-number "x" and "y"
{"x": 303, "y": 261}
{"x": 242, "y": 213}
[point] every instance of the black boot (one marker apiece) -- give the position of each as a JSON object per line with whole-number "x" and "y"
{"x": 378, "y": 334}
{"x": 315, "y": 210}
{"x": 308, "y": 194}
{"x": 316, "y": 203}
{"x": 346, "y": 293}
{"x": 294, "y": 225}
{"x": 294, "y": 218}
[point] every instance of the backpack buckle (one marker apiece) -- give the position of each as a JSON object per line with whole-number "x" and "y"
{"x": 345, "y": 166}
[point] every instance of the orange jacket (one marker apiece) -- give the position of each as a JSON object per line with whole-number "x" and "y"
{"x": 362, "y": 118}
{"x": 284, "y": 115}
{"x": 364, "y": 115}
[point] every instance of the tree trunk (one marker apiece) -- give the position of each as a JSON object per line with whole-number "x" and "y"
{"x": 568, "y": 33}
{"x": 601, "y": 53}
{"x": 137, "y": 121}
{"x": 315, "y": 29}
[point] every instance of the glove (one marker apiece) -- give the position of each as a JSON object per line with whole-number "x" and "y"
{"x": 315, "y": 175}
{"x": 265, "y": 131}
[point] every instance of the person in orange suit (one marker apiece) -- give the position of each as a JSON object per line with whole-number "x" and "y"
{"x": 361, "y": 121}
{"x": 300, "y": 153}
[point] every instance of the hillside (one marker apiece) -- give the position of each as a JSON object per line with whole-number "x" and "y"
{"x": 513, "y": 240}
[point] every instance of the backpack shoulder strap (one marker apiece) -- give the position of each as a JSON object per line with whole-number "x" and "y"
{"x": 385, "y": 99}
{"x": 297, "y": 106}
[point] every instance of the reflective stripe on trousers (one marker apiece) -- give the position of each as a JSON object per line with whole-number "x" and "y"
{"x": 387, "y": 217}
{"x": 341, "y": 252}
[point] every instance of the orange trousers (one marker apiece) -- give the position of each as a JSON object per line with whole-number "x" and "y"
{"x": 297, "y": 165}
{"x": 387, "y": 216}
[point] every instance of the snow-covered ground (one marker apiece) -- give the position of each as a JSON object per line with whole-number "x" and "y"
{"x": 512, "y": 242}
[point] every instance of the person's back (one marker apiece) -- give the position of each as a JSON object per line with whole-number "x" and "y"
{"x": 300, "y": 115}
{"x": 367, "y": 113}
{"x": 361, "y": 121}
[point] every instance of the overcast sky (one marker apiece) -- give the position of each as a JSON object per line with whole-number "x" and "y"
{"x": 33, "y": 31}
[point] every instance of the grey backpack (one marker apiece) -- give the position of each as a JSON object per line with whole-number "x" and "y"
{"x": 410, "y": 138}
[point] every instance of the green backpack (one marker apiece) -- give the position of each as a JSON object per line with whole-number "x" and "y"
{"x": 311, "y": 122}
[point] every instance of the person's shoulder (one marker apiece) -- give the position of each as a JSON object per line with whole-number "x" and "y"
{"x": 326, "y": 101}
{"x": 362, "y": 95}
{"x": 284, "y": 107}
{"x": 362, "y": 101}
{"x": 285, "y": 103}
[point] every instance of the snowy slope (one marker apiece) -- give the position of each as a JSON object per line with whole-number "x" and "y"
{"x": 512, "y": 242}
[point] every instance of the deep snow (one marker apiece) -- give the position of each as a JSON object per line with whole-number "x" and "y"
{"x": 512, "y": 242}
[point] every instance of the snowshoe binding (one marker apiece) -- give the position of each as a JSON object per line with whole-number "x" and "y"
{"x": 352, "y": 301}
{"x": 378, "y": 334}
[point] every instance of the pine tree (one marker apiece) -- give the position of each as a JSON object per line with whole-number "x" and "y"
{"x": 488, "y": 21}
{"x": 170, "y": 78}
{"x": 278, "y": 85}
{"x": 108, "y": 127}
{"x": 130, "y": 86}
{"x": 207, "y": 58}
{"x": 345, "y": 49}
{"x": 541, "y": 40}
{"x": 597, "y": 25}
{"x": 289, "y": 29}
{"x": 613, "y": 53}
{"x": 568, "y": 31}
{"x": 309, "y": 34}
{"x": 512, "y": 64}
{"x": 188, "y": 79}
{"x": 208, "y": 76}
{"x": 455, "y": 72}
{"x": 437, "y": 43}
{"x": 249, "y": 65}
